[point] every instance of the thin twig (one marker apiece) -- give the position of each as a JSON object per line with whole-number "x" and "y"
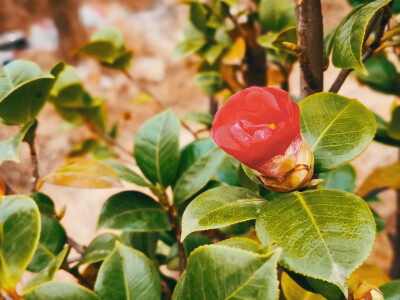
{"x": 75, "y": 245}
{"x": 144, "y": 89}
{"x": 107, "y": 138}
{"x": 340, "y": 79}
{"x": 35, "y": 164}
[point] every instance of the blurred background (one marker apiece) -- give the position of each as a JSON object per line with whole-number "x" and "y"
{"x": 48, "y": 31}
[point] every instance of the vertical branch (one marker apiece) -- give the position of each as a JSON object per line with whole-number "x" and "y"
{"x": 311, "y": 43}
{"x": 30, "y": 139}
{"x": 395, "y": 239}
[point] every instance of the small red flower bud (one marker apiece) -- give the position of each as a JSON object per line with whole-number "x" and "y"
{"x": 260, "y": 127}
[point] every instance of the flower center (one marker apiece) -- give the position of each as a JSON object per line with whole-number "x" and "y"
{"x": 272, "y": 126}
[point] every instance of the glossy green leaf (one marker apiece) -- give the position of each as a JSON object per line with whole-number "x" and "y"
{"x": 222, "y": 272}
{"x": 198, "y": 15}
{"x": 23, "y": 91}
{"x": 200, "y": 160}
{"x": 380, "y": 75}
{"x": 289, "y": 35}
{"x": 228, "y": 172}
{"x": 84, "y": 173}
{"x": 48, "y": 273}
{"x": 133, "y": 211}
{"x": 44, "y": 203}
{"x": 395, "y": 6}
{"x": 19, "y": 236}
{"x": 394, "y": 124}
{"x": 193, "y": 241}
{"x": 327, "y": 289}
{"x": 127, "y": 174}
{"x": 343, "y": 179}
{"x": 382, "y": 135}
{"x": 212, "y": 52}
{"x": 60, "y": 291}
{"x": 347, "y": 48}
{"x": 145, "y": 242}
{"x": 200, "y": 117}
{"x": 122, "y": 62}
{"x": 391, "y": 290}
{"x": 323, "y": 234}
{"x": 336, "y": 128}
{"x": 9, "y": 149}
{"x": 99, "y": 248}
{"x": 157, "y": 148}
{"x": 127, "y": 274}
{"x": 276, "y": 15}
{"x": 380, "y": 223}
{"x": 381, "y": 178}
{"x": 242, "y": 244}
{"x": 220, "y": 207}
{"x": 210, "y": 82}
{"x": 188, "y": 47}
{"x": 51, "y": 243}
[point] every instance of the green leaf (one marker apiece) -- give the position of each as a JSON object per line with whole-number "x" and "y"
{"x": 382, "y": 135}
{"x": 127, "y": 274}
{"x": 44, "y": 203}
{"x": 391, "y": 290}
{"x": 157, "y": 148}
{"x": 220, "y": 207}
{"x": 394, "y": 124}
{"x": 323, "y": 234}
{"x": 228, "y": 172}
{"x": 145, "y": 242}
{"x": 9, "y": 149}
{"x": 336, "y": 128}
{"x": 127, "y": 174}
{"x": 289, "y": 35}
{"x": 133, "y": 211}
{"x": 242, "y": 244}
{"x": 329, "y": 39}
{"x": 343, "y": 179}
{"x": 210, "y": 82}
{"x": 83, "y": 173}
{"x": 199, "y": 162}
{"x": 188, "y": 47}
{"x": 198, "y": 15}
{"x": 212, "y": 53}
{"x": 380, "y": 75}
{"x": 122, "y": 62}
{"x": 60, "y": 291}
{"x": 23, "y": 91}
{"x": 381, "y": 178}
{"x": 19, "y": 236}
{"x": 221, "y": 272}
{"x": 193, "y": 241}
{"x": 51, "y": 243}
{"x": 276, "y": 15}
{"x": 200, "y": 117}
{"x": 329, "y": 290}
{"x": 48, "y": 273}
{"x": 99, "y": 248}
{"x": 380, "y": 223}
{"x": 347, "y": 48}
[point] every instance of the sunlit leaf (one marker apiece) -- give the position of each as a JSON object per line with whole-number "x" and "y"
{"x": 236, "y": 53}
{"x": 276, "y": 15}
{"x": 381, "y": 178}
{"x": 222, "y": 272}
{"x": 83, "y": 173}
{"x": 60, "y": 290}
{"x": 312, "y": 229}
{"x": 127, "y": 174}
{"x": 347, "y": 47}
{"x": 220, "y": 207}
{"x": 48, "y": 273}
{"x": 9, "y": 149}
{"x": 157, "y": 148}
{"x": 19, "y": 236}
{"x": 336, "y": 128}
{"x": 127, "y": 274}
{"x": 200, "y": 160}
{"x": 133, "y": 211}
{"x": 23, "y": 91}
{"x": 99, "y": 248}
{"x": 293, "y": 291}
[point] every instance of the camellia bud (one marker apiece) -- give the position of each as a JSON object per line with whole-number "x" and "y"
{"x": 260, "y": 127}
{"x": 366, "y": 291}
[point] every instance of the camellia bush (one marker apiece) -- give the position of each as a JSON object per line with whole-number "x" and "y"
{"x": 264, "y": 207}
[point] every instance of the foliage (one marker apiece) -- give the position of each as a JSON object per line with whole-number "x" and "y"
{"x": 197, "y": 209}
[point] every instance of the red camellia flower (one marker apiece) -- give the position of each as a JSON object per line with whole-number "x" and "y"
{"x": 260, "y": 127}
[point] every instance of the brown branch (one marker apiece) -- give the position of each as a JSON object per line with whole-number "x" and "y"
{"x": 340, "y": 79}
{"x": 311, "y": 43}
{"x": 30, "y": 139}
{"x": 75, "y": 245}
